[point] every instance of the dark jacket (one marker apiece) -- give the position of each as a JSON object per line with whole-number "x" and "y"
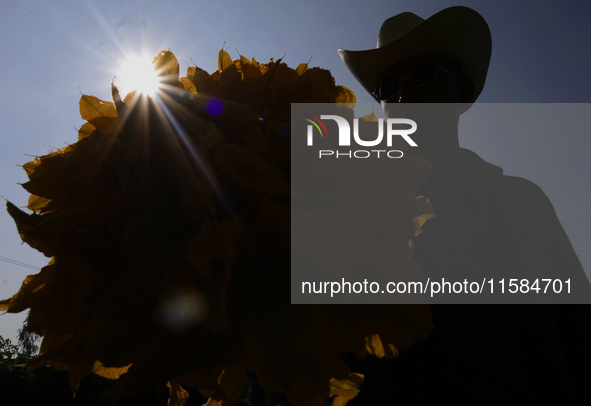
{"x": 489, "y": 225}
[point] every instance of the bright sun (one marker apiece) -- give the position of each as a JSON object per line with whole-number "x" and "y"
{"x": 138, "y": 73}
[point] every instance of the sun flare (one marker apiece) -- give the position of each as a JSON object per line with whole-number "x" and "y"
{"x": 138, "y": 74}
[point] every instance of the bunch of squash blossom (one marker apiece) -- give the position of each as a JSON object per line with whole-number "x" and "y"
{"x": 168, "y": 228}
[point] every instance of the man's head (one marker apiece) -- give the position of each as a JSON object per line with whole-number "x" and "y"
{"x": 457, "y": 37}
{"x": 430, "y": 71}
{"x": 431, "y": 90}
{"x": 424, "y": 79}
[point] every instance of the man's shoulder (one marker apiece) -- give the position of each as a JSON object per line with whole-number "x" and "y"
{"x": 516, "y": 185}
{"x": 512, "y": 185}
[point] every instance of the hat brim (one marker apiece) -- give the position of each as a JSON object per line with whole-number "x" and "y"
{"x": 459, "y": 33}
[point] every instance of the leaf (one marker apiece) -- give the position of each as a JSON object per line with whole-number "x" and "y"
{"x": 424, "y": 211}
{"x": 166, "y": 65}
{"x": 345, "y": 95}
{"x": 371, "y": 117}
{"x": 34, "y": 168}
{"x": 204, "y": 83}
{"x": 224, "y": 60}
{"x": 302, "y": 68}
{"x": 131, "y": 98}
{"x": 24, "y": 223}
{"x": 92, "y": 107}
{"x": 109, "y": 372}
{"x": 188, "y": 85}
{"x": 244, "y": 61}
{"x": 40, "y": 204}
{"x": 178, "y": 396}
{"x": 32, "y": 285}
{"x": 345, "y": 389}
{"x": 250, "y": 72}
{"x": 376, "y": 346}
{"x": 86, "y": 130}
{"x": 103, "y": 115}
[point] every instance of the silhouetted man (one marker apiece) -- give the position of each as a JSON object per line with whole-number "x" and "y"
{"x": 487, "y": 225}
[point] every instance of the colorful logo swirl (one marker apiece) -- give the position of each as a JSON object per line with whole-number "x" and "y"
{"x": 315, "y": 122}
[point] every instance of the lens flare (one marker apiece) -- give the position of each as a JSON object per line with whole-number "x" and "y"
{"x": 137, "y": 73}
{"x": 214, "y": 107}
{"x": 181, "y": 308}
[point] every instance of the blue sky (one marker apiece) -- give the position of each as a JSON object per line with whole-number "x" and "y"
{"x": 50, "y": 50}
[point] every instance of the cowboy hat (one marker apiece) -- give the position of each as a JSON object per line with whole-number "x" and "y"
{"x": 459, "y": 33}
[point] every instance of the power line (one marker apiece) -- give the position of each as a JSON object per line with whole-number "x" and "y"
{"x": 18, "y": 262}
{"x": 14, "y": 262}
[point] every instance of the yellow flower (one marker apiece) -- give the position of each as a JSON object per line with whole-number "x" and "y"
{"x": 169, "y": 226}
